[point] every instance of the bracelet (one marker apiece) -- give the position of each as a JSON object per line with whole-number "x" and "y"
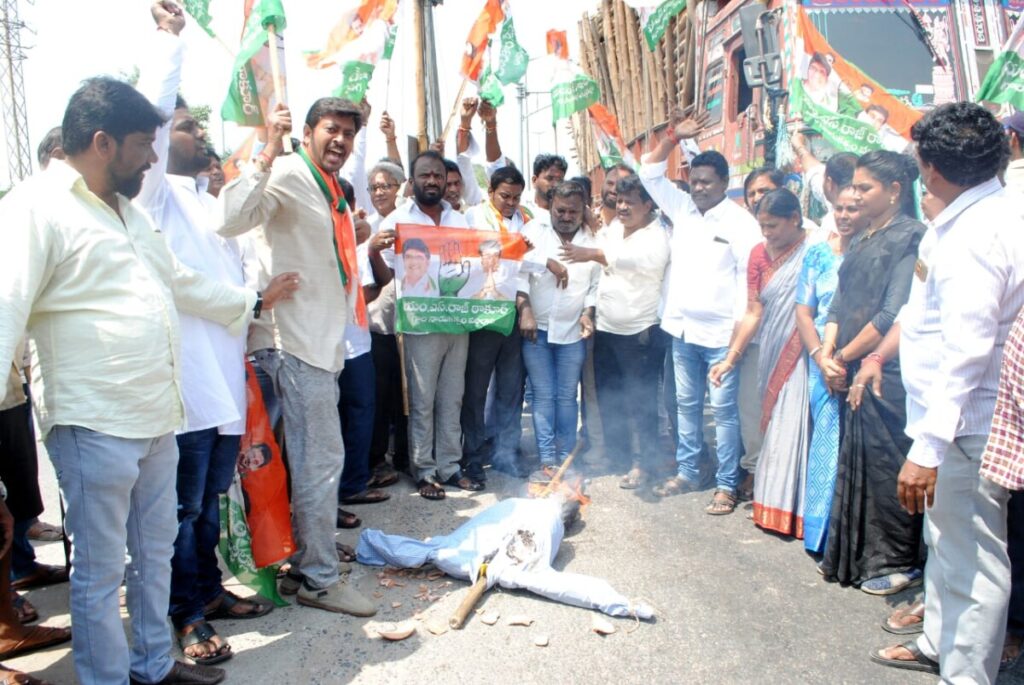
{"x": 465, "y": 129}
{"x": 874, "y": 358}
{"x": 839, "y": 356}
{"x": 672, "y": 136}
{"x": 733, "y": 350}
{"x": 266, "y": 160}
{"x": 391, "y": 139}
{"x": 815, "y": 351}
{"x": 492, "y": 129}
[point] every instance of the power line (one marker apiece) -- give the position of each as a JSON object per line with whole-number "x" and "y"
{"x": 12, "y": 92}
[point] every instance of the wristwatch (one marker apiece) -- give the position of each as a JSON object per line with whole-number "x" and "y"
{"x": 258, "y": 307}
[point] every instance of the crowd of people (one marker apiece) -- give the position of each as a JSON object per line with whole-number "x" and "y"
{"x": 851, "y": 365}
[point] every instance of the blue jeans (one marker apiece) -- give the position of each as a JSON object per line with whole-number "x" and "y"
{"x": 554, "y": 372}
{"x": 206, "y": 465}
{"x": 692, "y": 363}
{"x": 119, "y": 493}
{"x": 355, "y": 409}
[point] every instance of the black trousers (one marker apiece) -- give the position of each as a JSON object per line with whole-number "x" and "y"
{"x": 491, "y": 352}
{"x": 389, "y": 411}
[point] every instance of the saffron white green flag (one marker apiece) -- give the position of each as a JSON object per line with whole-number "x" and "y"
{"x": 1004, "y": 83}
{"x": 251, "y": 92}
{"x": 655, "y": 16}
{"x": 611, "y": 149}
{"x": 571, "y": 90}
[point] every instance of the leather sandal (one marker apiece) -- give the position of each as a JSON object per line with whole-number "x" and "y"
{"x": 34, "y": 639}
{"x": 200, "y": 633}
{"x": 229, "y": 601}
{"x": 723, "y": 503}
{"x": 430, "y": 489}
{"x": 10, "y": 676}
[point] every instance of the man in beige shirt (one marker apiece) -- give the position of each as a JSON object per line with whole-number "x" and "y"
{"x": 87, "y": 275}
{"x": 301, "y": 345}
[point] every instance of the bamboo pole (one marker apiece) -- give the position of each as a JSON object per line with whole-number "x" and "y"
{"x": 608, "y": 50}
{"x": 455, "y": 109}
{"x": 420, "y": 84}
{"x": 633, "y": 47}
{"x": 687, "y": 95}
{"x": 626, "y": 76}
{"x": 275, "y": 73}
{"x": 612, "y": 97}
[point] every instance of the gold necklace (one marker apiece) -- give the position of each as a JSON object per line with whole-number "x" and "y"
{"x": 871, "y": 232}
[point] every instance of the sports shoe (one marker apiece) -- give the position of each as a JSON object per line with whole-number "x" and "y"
{"x": 892, "y": 583}
{"x": 339, "y": 597}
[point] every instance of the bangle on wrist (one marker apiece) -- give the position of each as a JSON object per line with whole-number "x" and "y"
{"x": 839, "y": 356}
{"x": 875, "y": 358}
{"x": 491, "y": 129}
{"x": 391, "y": 139}
{"x": 815, "y": 351}
{"x": 465, "y": 129}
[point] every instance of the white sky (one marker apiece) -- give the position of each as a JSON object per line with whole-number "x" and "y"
{"x": 72, "y": 40}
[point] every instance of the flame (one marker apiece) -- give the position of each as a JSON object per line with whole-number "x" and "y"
{"x": 571, "y": 490}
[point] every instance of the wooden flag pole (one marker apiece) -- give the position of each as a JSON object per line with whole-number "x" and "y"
{"x": 455, "y": 109}
{"x": 275, "y": 72}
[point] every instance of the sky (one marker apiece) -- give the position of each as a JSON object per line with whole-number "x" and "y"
{"x": 68, "y": 41}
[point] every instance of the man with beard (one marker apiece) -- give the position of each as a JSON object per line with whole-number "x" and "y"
{"x": 453, "y": 185}
{"x": 548, "y": 172}
{"x": 556, "y": 316}
{"x": 99, "y": 291}
{"x": 608, "y": 196}
{"x": 213, "y": 376}
{"x": 214, "y": 173}
{"x": 307, "y": 227}
{"x": 435, "y": 362}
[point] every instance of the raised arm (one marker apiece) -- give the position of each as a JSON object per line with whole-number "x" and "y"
{"x": 673, "y": 201}
{"x": 387, "y": 127}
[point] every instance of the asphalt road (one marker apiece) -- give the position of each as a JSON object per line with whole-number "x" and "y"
{"x": 734, "y": 605}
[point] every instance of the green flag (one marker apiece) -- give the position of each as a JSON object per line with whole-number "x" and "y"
{"x": 573, "y": 95}
{"x": 842, "y": 131}
{"x": 248, "y": 99}
{"x": 355, "y": 79}
{"x": 1004, "y": 83}
{"x": 655, "y": 16}
{"x": 512, "y": 58}
{"x": 490, "y": 87}
{"x": 200, "y": 11}
{"x": 236, "y": 546}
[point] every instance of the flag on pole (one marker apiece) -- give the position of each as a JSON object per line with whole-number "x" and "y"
{"x": 571, "y": 89}
{"x": 476, "y": 42}
{"x": 611, "y": 149}
{"x": 360, "y": 57}
{"x": 200, "y": 11}
{"x": 512, "y": 58}
{"x": 558, "y": 44}
{"x": 456, "y": 280}
{"x": 490, "y": 87}
{"x": 357, "y": 18}
{"x": 1004, "y": 83}
{"x": 848, "y": 108}
{"x": 251, "y": 92}
{"x": 655, "y": 16}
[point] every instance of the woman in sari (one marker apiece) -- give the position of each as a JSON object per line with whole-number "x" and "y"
{"x": 772, "y": 274}
{"x": 818, "y": 280}
{"x": 872, "y": 542}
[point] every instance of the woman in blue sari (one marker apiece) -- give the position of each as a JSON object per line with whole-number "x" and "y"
{"x": 818, "y": 280}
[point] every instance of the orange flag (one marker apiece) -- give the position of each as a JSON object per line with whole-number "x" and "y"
{"x": 476, "y": 42}
{"x": 232, "y": 165}
{"x": 353, "y": 21}
{"x": 558, "y": 44}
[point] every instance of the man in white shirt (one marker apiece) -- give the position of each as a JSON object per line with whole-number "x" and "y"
{"x": 967, "y": 291}
{"x": 99, "y": 292}
{"x": 213, "y": 370}
{"x": 435, "y": 362}
{"x": 556, "y": 315}
{"x": 1014, "y": 175}
{"x": 706, "y": 296}
{"x": 491, "y": 353}
{"x": 548, "y": 172}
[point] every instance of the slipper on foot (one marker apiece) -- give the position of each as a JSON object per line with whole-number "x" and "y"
{"x": 348, "y": 520}
{"x": 430, "y": 489}
{"x": 200, "y": 633}
{"x": 229, "y": 601}
{"x": 367, "y": 496}
{"x": 919, "y": 663}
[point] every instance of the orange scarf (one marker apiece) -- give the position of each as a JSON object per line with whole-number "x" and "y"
{"x": 344, "y": 235}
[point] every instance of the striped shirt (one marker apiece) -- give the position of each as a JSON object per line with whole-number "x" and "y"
{"x": 1003, "y": 460}
{"x": 967, "y": 290}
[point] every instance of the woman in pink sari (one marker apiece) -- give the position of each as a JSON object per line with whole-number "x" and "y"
{"x": 772, "y": 275}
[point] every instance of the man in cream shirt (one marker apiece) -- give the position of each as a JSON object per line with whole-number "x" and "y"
{"x": 99, "y": 292}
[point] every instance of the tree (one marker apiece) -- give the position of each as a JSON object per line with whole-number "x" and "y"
{"x": 201, "y": 113}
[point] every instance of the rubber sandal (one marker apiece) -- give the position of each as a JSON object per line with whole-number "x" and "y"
{"x": 34, "y": 639}
{"x": 367, "y": 496}
{"x": 919, "y": 663}
{"x": 722, "y": 503}
{"x": 676, "y": 485}
{"x": 9, "y": 676}
{"x": 632, "y": 480}
{"x": 44, "y": 532}
{"x": 430, "y": 490}
{"x": 909, "y": 629}
{"x": 348, "y": 520}
{"x": 1007, "y": 663}
{"x": 383, "y": 477}
{"x": 26, "y": 612}
{"x": 346, "y": 554}
{"x": 43, "y": 575}
{"x": 464, "y": 483}
{"x": 229, "y": 600}
{"x": 203, "y": 632}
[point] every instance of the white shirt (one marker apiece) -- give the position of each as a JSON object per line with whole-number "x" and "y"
{"x": 357, "y": 338}
{"x": 536, "y": 211}
{"x": 99, "y": 295}
{"x": 954, "y": 324}
{"x": 212, "y": 360}
{"x": 630, "y": 287}
{"x": 354, "y": 171}
{"x": 707, "y": 282}
{"x": 483, "y": 217}
{"x": 557, "y": 310}
{"x": 472, "y": 193}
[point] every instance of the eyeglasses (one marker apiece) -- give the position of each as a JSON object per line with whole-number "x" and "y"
{"x": 382, "y": 186}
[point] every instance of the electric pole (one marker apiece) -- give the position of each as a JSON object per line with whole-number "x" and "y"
{"x": 12, "y": 92}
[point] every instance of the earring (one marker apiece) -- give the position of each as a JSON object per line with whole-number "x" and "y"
{"x": 892, "y": 200}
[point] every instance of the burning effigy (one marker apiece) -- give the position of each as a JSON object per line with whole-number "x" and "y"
{"x": 512, "y": 544}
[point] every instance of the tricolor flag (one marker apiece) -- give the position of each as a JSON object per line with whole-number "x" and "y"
{"x": 571, "y": 89}
{"x": 476, "y": 42}
{"x": 1004, "y": 83}
{"x": 849, "y": 109}
{"x": 611, "y": 148}
{"x": 200, "y": 11}
{"x": 512, "y": 58}
{"x": 251, "y": 92}
{"x": 357, "y": 16}
{"x": 655, "y": 16}
{"x": 232, "y": 166}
